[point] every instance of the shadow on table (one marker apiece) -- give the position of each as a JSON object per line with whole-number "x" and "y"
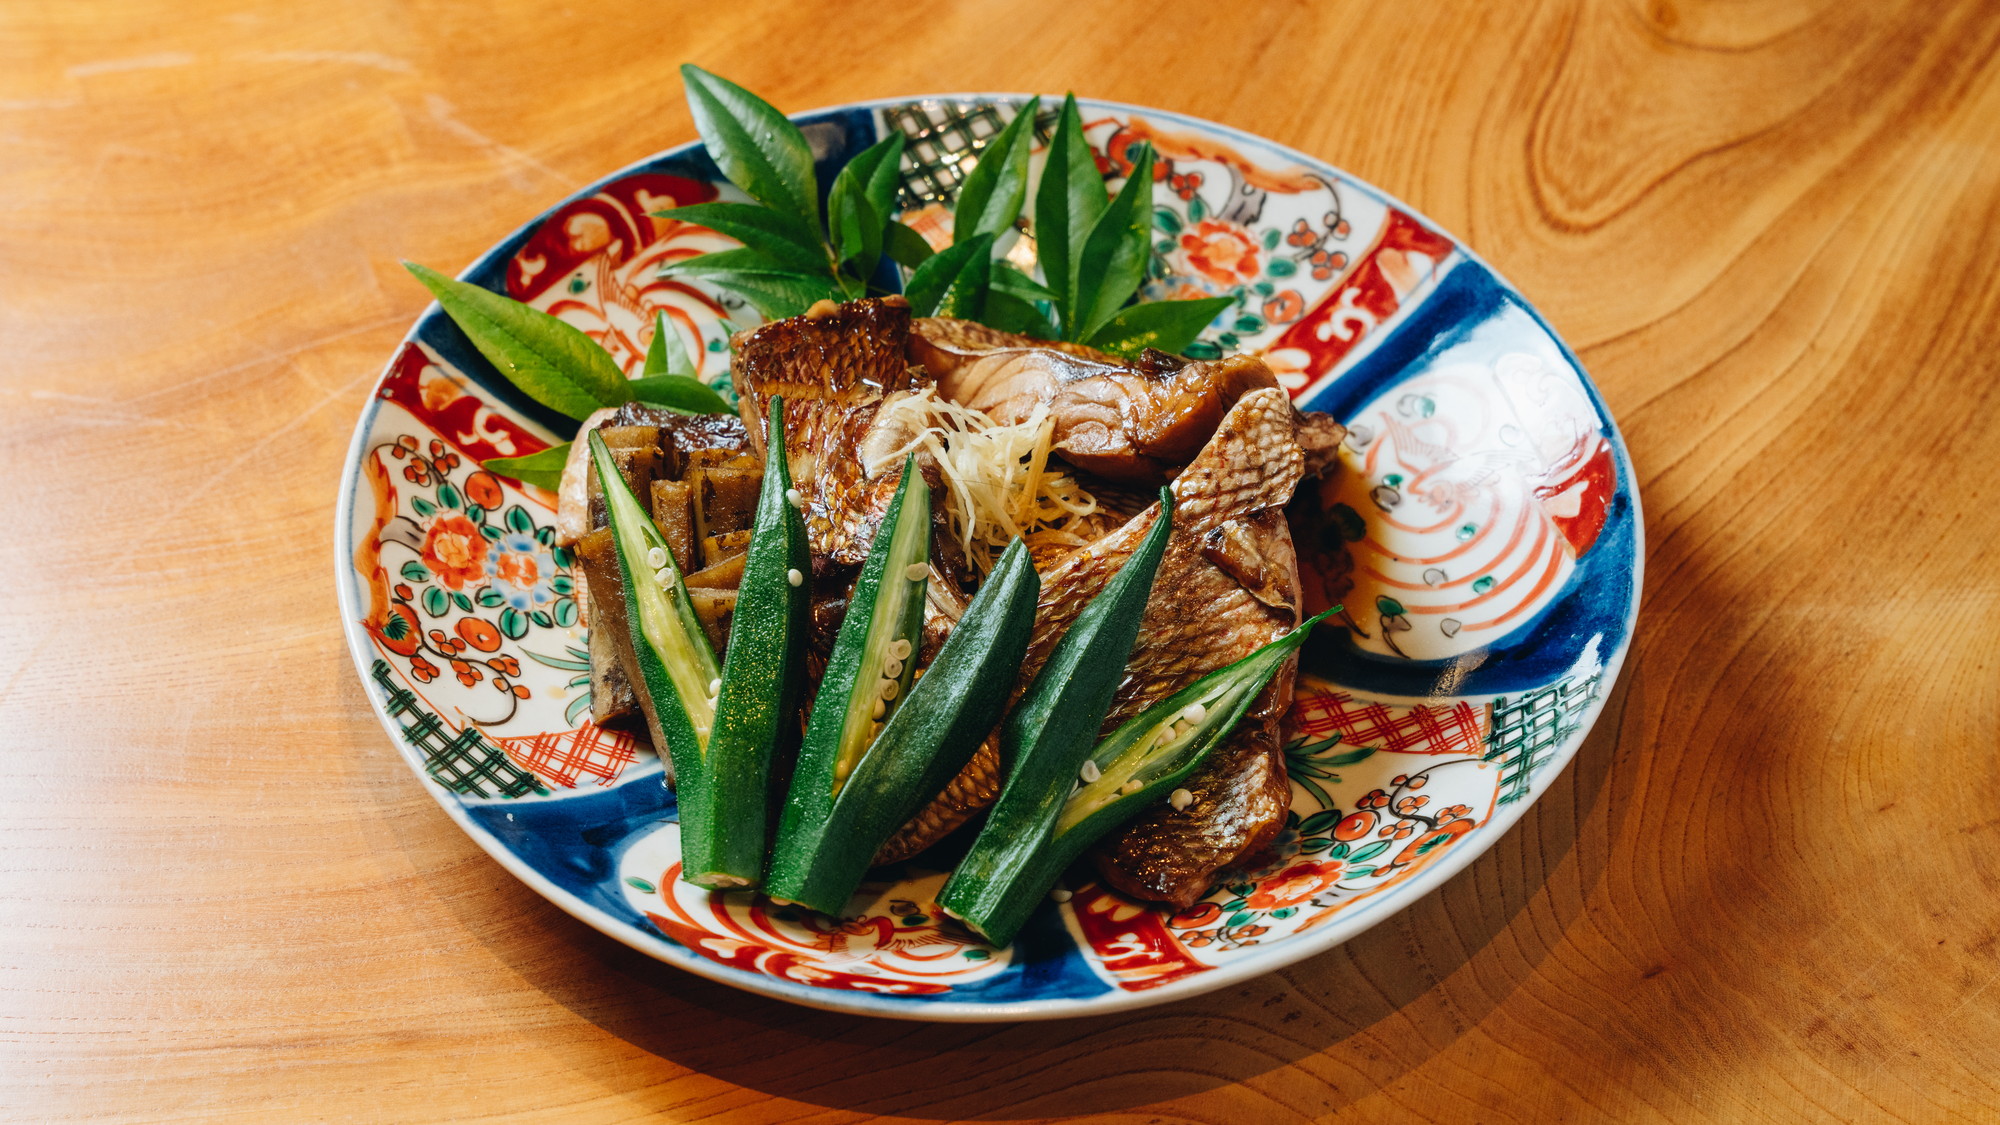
{"x": 1377, "y": 1007}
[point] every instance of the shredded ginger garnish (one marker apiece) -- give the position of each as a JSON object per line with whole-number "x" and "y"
{"x": 997, "y": 477}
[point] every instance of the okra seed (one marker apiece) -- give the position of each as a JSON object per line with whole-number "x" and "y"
{"x": 892, "y": 669}
{"x": 1180, "y": 799}
{"x": 664, "y": 576}
{"x": 715, "y": 685}
{"x": 1195, "y": 713}
{"x": 1134, "y": 785}
{"x": 656, "y": 557}
{"x": 915, "y": 571}
{"x": 878, "y": 710}
{"x": 1090, "y": 773}
{"x": 900, "y": 648}
{"x": 793, "y": 498}
{"x": 794, "y": 577}
{"x": 1059, "y": 895}
{"x": 890, "y": 688}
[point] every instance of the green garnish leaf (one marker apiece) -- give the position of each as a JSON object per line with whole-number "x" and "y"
{"x": 954, "y": 278}
{"x": 679, "y": 392}
{"x": 744, "y": 260}
{"x": 1008, "y": 278}
{"x": 1167, "y": 325}
{"x": 775, "y": 291}
{"x": 1067, "y": 203}
{"x": 906, "y": 246}
{"x": 757, "y": 148}
{"x": 880, "y": 167}
{"x": 777, "y": 235}
{"x": 777, "y": 296}
{"x": 543, "y": 470}
{"x": 856, "y": 228}
{"x": 858, "y": 209}
{"x": 551, "y": 362}
{"x": 1009, "y": 313}
{"x": 665, "y": 355}
{"x": 990, "y": 198}
{"x": 1116, "y": 251}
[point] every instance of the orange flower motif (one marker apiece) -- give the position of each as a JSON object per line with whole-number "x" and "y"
{"x": 1354, "y": 825}
{"x": 423, "y": 670}
{"x": 1294, "y": 885}
{"x": 520, "y": 569}
{"x": 1432, "y": 842}
{"x": 1222, "y": 252}
{"x": 1286, "y": 306}
{"x": 483, "y": 489}
{"x": 479, "y": 634}
{"x": 455, "y": 551}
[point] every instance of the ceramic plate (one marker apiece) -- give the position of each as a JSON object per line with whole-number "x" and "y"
{"x": 1483, "y": 535}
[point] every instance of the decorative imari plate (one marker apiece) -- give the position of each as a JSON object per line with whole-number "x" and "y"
{"x": 1483, "y": 534}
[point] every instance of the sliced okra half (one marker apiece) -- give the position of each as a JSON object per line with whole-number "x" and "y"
{"x": 826, "y": 847}
{"x": 725, "y": 812}
{"x": 1009, "y": 871}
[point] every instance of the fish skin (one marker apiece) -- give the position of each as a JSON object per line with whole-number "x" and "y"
{"x": 834, "y": 365}
{"x": 970, "y": 792}
{"x": 1243, "y": 792}
{"x": 1200, "y": 617}
{"x": 1134, "y": 422}
{"x": 1241, "y": 797}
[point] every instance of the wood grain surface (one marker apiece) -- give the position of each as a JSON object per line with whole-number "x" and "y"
{"x": 1768, "y": 889}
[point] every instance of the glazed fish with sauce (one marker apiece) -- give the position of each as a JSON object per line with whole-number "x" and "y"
{"x": 1228, "y": 440}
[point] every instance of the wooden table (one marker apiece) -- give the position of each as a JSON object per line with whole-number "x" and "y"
{"x": 1768, "y": 888}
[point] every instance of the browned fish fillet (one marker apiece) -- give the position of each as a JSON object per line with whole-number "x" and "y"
{"x": 834, "y": 366}
{"x": 1126, "y": 421}
{"x": 1241, "y": 794}
{"x": 1226, "y": 586}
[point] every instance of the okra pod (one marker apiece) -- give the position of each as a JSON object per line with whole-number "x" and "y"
{"x": 825, "y": 847}
{"x": 725, "y": 813}
{"x": 676, "y": 662}
{"x": 1045, "y": 818}
{"x": 867, "y": 678}
{"x": 1056, "y": 724}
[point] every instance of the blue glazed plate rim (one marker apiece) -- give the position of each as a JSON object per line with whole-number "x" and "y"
{"x": 1271, "y": 958}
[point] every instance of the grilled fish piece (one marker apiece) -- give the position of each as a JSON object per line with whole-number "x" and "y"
{"x": 1226, "y": 586}
{"x": 1242, "y": 793}
{"x": 834, "y": 365}
{"x": 1125, "y": 421}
